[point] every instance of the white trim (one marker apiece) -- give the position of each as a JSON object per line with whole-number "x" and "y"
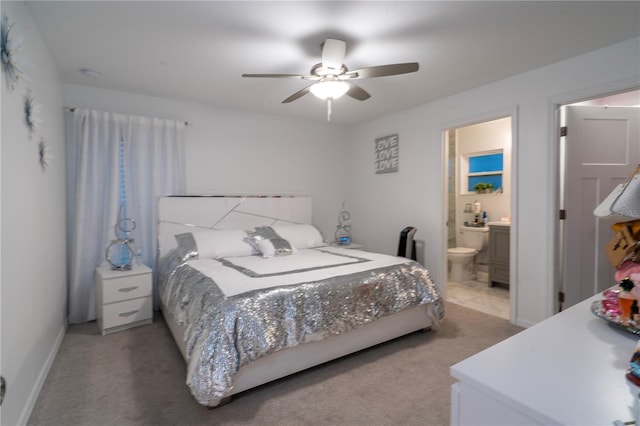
{"x": 42, "y": 376}
{"x": 441, "y": 281}
{"x": 515, "y": 220}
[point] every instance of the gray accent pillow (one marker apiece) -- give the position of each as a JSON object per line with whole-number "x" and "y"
{"x": 187, "y": 248}
{"x": 266, "y": 242}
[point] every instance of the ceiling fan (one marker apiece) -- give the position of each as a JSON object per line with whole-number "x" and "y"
{"x": 332, "y": 79}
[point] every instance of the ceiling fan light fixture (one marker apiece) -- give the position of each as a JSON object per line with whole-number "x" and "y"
{"x": 331, "y": 73}
{"x": 329, "y": 89}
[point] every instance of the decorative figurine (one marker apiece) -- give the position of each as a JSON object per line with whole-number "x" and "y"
{"x": 121, "y": 253}
{"x": 343, "y": 230}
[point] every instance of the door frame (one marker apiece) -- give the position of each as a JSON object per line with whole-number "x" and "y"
{"x": 510, "y": 112}
{"x": 554, "y": 110}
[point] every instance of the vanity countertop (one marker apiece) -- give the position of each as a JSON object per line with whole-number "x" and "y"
{"x": 499, "y": 223}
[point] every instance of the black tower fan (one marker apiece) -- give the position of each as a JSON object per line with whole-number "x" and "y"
{"x": 407, "y": 245}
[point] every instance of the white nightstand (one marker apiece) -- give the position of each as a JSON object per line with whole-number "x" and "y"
{"x": 123, "y": 298}
{"x": 349, "y": 246}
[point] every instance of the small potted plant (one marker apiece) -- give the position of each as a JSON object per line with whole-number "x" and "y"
{"x": 483, "y": 187}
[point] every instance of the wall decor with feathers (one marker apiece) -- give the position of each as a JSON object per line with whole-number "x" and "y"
{"x": 13, "y": 70}
{"x": 44, "y": 157}
{"x": 31, "y": 111}
{"x": 10, "y": 55}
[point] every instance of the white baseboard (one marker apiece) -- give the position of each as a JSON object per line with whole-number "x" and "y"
{"x": 44, "y": 371}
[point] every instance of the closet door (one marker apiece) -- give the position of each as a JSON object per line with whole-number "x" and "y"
{"x": 602, "y": 147}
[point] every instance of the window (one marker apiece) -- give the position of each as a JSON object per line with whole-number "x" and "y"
{"x": 483, "y": 167}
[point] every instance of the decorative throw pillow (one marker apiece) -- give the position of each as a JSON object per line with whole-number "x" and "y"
{"x": 268, "y": 243}
{"x": 187, "y": 249}
{"x": 275, "y": 247}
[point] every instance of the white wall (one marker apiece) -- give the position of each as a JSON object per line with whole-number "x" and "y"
{"x": 33, "y": 263}
{"x": 230, "y": 151}
{"x": 381, "y": 205}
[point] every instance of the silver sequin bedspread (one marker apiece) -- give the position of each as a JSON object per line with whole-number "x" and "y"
{"x": 223, "y": 333}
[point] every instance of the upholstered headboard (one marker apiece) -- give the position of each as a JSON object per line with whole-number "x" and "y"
{"x": 178, "y": 214}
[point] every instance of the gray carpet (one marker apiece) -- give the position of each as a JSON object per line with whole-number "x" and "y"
{"x": 136, "y": 377}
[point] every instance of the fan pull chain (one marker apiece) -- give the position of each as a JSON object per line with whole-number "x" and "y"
{"x": 329, "y": 109}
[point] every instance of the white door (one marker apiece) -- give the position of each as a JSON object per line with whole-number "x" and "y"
{"x": 602, "y": 149}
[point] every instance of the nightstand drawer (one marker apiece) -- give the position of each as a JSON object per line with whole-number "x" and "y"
{"x": 129, "y": 287}
{"x": 127, "y": 312}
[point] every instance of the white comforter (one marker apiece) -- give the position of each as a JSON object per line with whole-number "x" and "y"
{"x": 236, "y": 275}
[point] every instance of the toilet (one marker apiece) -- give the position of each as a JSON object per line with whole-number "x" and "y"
{"x": 473, "y": 240}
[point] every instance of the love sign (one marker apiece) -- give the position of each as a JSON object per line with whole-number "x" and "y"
{"x": 387, "y": 154}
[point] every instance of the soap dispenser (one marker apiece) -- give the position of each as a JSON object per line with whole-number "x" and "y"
{"x": 484, "y": 218}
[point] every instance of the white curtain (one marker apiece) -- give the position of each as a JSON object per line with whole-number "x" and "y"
{"x": 153, "y": 164}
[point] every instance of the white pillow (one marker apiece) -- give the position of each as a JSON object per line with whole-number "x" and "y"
{"x": 222, "y": 243}
{"x": 300, "y": 236}
{"x": 275, "y": 247}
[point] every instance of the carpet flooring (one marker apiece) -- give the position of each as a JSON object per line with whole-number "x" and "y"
{"x": 137, "y": 377}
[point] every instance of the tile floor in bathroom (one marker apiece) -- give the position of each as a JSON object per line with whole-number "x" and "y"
{"x": 480, "y": 297}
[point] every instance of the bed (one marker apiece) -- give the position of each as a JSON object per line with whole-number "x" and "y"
{"x": 252, "y": 292}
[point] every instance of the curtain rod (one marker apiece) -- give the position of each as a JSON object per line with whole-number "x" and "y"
{"x": 71, "y": 109}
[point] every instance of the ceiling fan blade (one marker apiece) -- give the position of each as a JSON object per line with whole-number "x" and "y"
{"x": 297, "y": 95}
{"x": 275, "y": 75}
{"x": 384, "y": 70}
{"x": 357, "y": 92}
{"x": 333, "y": 52}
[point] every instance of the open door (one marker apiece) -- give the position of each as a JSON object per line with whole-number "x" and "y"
{"x": 602, "y": 148}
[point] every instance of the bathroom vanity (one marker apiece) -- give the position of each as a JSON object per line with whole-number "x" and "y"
{"x": 499, "y": 249}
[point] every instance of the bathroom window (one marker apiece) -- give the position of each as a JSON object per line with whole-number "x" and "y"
{"x": 483, "y": 167}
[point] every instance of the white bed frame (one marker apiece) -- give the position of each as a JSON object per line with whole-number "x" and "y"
{"x": 186, "y": 213}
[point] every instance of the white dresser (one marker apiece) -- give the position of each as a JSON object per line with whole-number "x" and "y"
{"x": 123, "y": 298}
{"x": 568, "y": 369}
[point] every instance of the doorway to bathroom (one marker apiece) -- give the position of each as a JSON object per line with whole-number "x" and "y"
{"x": 479, "y": 192}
